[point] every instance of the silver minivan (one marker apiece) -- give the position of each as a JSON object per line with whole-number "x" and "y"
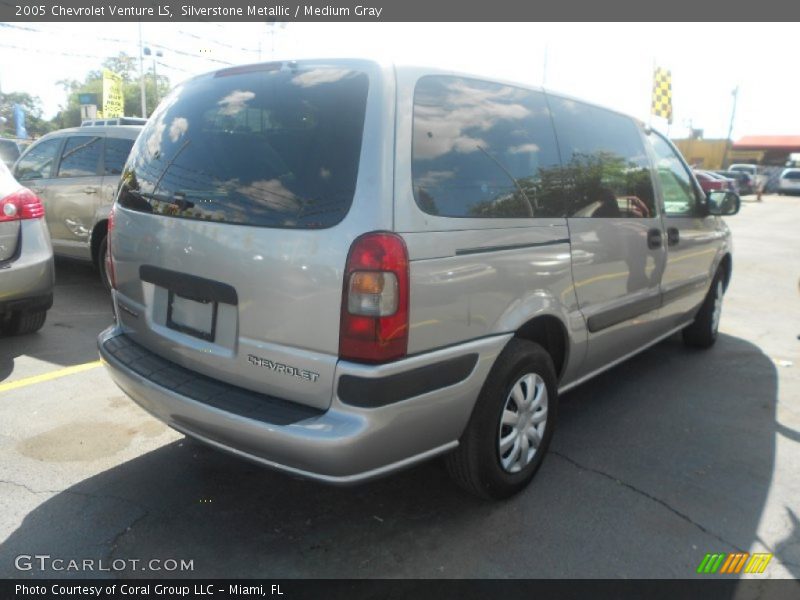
{"x": 76, "y": 173}
{"x": 341, "y": 268}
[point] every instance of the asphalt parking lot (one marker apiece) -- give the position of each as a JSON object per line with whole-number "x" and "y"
{"x": 669, "y": 456}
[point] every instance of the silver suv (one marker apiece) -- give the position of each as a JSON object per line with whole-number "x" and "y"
{"x": 26, "y": 259}
{"x": 76, "y": 173}
{"x": 339, "y": 269}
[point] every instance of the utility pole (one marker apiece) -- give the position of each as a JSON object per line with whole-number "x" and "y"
{"x": 141, "y": 73}
{"x": 154, "y": 54}
{"x": 544, "y": 66}
{"x": 735, "y": 94}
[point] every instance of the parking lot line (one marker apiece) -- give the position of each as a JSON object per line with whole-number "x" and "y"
{"x": 19, "y": 383}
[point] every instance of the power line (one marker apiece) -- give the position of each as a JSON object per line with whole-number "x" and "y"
{"x": 51, "y": 52}
{"x": 214, "y": 41}
{"x": 120, "y": 41}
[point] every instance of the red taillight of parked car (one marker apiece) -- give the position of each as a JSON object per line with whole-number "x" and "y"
{"x": 112, "y": 278}
{"x": 374, "y": 318}
{"x": 22, "y": 204}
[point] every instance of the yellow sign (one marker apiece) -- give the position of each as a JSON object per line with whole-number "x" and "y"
{"x": 113, "y": 98}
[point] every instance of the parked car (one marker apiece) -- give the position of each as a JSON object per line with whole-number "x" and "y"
{"x": 339, "y": 269}
{"x": 76, "y": 173}
{"x": 26, "y": 259}
{"x": 789, "y": 182}
{"x": 745, "y": 184}
{"x": 751, "y": 170}
{"x": 710, "y": 181}
{"x": 759, "y": 178}
{"x": 9, "y": 152}
{"x": 115, "y": 121}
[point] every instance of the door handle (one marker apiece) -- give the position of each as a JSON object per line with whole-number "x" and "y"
{"x": 654, "y": 239}
{"x": 673, "y": 236}
{"x": 89, "y": 189}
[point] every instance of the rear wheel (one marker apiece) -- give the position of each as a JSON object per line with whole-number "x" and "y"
{"x": 511, "y": 425}
{"x": 22, "y": 322}
{"x": 702, "y": 333}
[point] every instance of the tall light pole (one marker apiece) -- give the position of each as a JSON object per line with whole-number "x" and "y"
{"x": 154, "y": 54}
{"x": 544, "y": 66}
{"x": 735, "y": 94}
{"x": 141, "y": 74}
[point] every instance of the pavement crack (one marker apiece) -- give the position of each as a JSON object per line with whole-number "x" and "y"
{"x": 641, "y": 492}
{"x": 114, "y": 542}
{"x": 28, "y": 489}
{"x": 97, "y": 496}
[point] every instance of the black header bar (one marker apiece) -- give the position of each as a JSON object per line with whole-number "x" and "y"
{"x": 396, "y": 11}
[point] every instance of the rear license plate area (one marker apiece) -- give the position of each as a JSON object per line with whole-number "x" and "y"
{"x": 197, "y": 318}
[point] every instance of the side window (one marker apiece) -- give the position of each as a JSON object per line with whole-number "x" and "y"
{"x": 680, "y": 197}
{"x": 606, "y": 170}
{"x": 36, "y": 164}
{"x": 482, "y": 150}
{"x": 117, "y": 150}
{"x": 81, "y": 156}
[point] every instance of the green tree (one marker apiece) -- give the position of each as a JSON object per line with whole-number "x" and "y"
{"x": 34, "y": 123}
{"x": 127, "y": 67}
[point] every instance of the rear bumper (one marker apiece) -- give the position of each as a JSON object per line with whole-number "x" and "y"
{"x": 344, "y": 444}
{"x": 29, "y": 276}
{"x": 27, "y": 304}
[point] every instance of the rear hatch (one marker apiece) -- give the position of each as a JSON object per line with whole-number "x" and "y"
{"x": 9, "y": 228}
{"x": 230, "y": 233}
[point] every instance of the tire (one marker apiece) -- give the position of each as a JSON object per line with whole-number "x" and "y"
{"x": 102, "y": 251}
{"x": 22, "y": 322}
{"x": 477, "y": 465}
{"x": 702, "y": 333}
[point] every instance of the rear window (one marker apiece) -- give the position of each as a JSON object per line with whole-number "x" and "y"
{"x": 791, "y": 175}
{"x": 9, "y": 152}
{"x": 265, "y": 147}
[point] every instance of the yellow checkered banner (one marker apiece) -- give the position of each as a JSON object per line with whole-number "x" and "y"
{"x": 662, "y": 94}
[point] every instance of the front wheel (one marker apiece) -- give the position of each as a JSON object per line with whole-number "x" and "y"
{"x": 511, "y": 425}
{"x": 702, "y": 333}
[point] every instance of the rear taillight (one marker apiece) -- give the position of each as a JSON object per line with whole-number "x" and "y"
{"x": 112, "y": 278}
{"x": 22, "y": 204}
{"x": 374, "y": 323}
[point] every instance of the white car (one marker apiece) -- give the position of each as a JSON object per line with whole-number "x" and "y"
{"x": 789, "y": 182}
{"x": 752, "y": 170}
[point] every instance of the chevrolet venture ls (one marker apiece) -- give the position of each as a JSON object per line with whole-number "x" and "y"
{"x": 339, "y": 268}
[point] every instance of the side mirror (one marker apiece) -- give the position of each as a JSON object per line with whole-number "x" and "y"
{"x": 723, "y": 203}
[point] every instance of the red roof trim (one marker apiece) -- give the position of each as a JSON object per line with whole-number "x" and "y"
{"x": 789, "y": 143}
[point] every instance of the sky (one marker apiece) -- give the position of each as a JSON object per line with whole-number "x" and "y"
{"x": 607, "y": 63}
